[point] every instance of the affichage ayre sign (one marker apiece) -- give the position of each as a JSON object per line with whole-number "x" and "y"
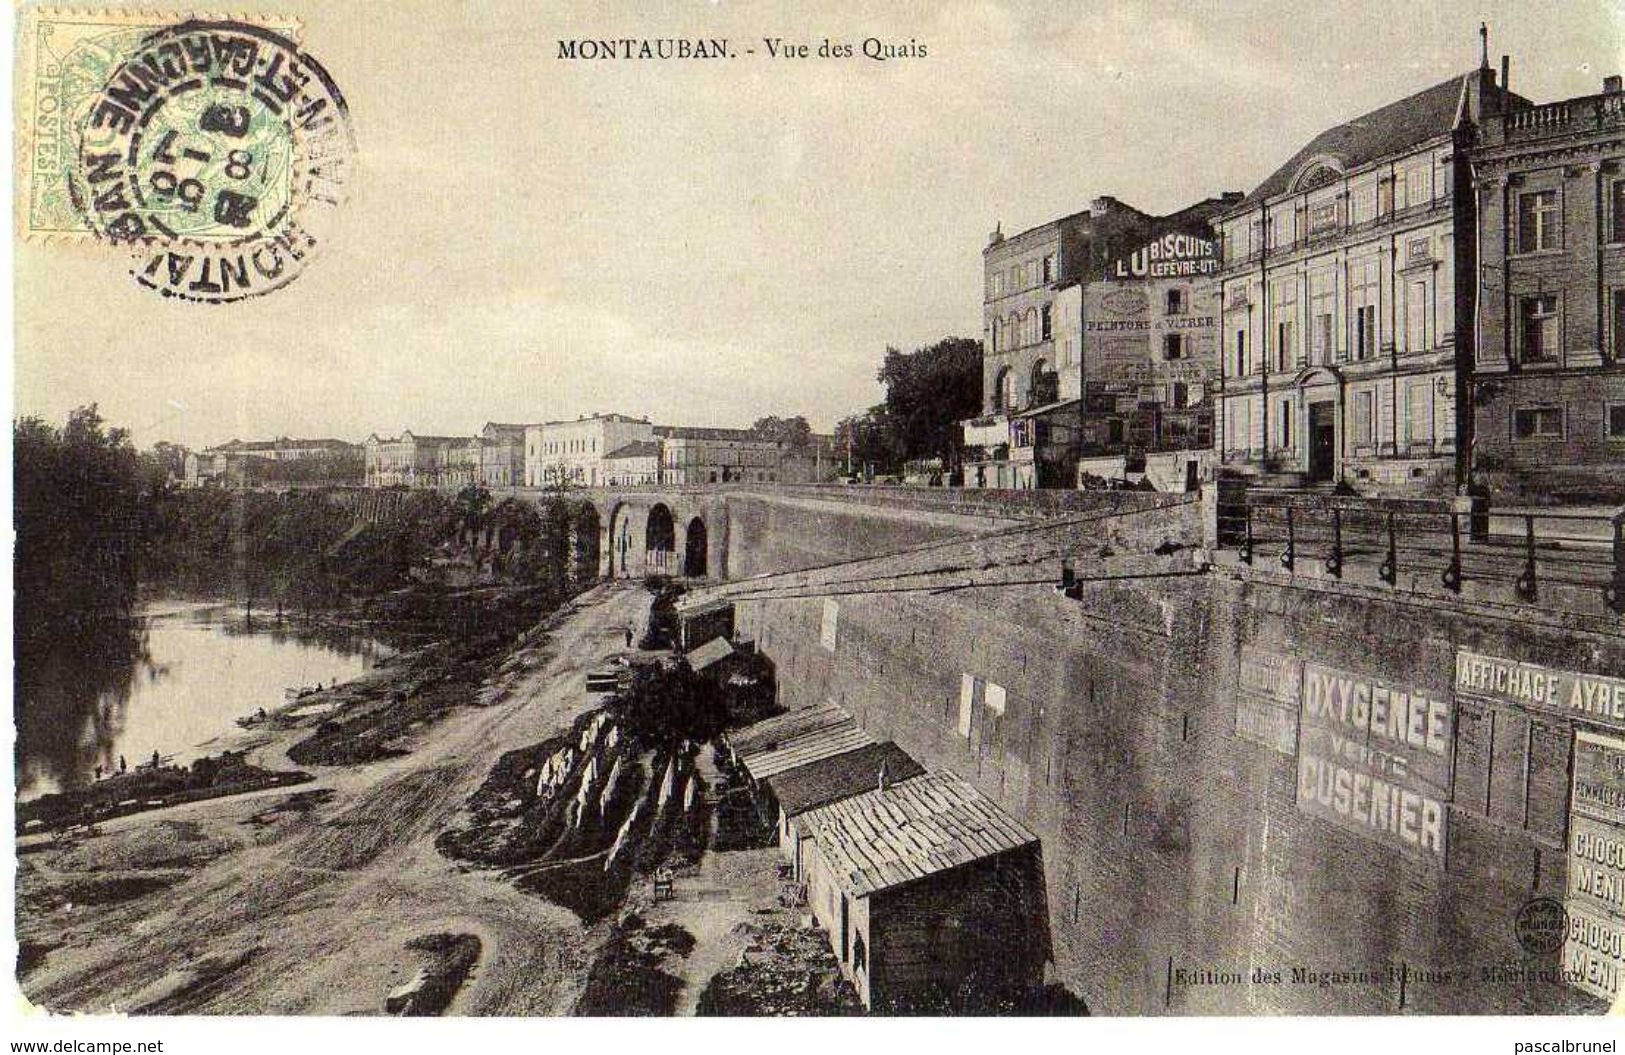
{"x": 1171, "y": 256}
{"x": 1594, "y": 901}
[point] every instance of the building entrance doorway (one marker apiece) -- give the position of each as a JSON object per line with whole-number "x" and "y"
{"x": 1322, "y": 441}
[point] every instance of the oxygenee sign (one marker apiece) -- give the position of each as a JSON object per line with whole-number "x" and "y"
{"x": 1374, "y": 758}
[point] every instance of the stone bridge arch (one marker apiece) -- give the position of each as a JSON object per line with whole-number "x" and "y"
{"x": 696, "y": 545}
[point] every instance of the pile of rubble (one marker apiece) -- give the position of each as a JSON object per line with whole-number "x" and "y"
{"x": 784, "y": 970}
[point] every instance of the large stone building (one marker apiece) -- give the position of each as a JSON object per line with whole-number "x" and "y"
{"x": 410, "y": 460}
{"x": 1549, "y": 382}
{"x": 571, "y": 453}
{"x": 635, "y": 465}
{"x": 1067, "y": 312}
{"x": 502, "y": 455}
{"x": 716, "y": 456}
{"x": 282, "y": 461}
{"x": 1348, "y": 289}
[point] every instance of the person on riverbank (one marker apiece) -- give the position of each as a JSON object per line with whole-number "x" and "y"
{"x": 122, "y": 766}
{"x": 628, "y": 637}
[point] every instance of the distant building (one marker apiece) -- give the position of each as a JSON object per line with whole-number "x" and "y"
{"x": 1348, "y": 289}
{"x": 634, "y": 465}
{"x": 282, "y": 462}
{"x": 1548, "y": 385}
{"x": 410, "y": 460}
{"x": 716, "y": 456}
{"x": 502, "y": 455}
{"x": 571, "y": 453}
{"x": 1069, "y": 315}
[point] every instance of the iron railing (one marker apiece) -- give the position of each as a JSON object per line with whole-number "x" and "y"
{"x": 1453, "y": 541}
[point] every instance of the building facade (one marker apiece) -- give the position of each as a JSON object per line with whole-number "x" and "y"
{"x": 1548, "y": 385}
{"x": 716, "y": 456}
{"x": 1075, "y": 349}
{"x": 635, "y": 465}
{"x": 502, "y": 455}
{"x": 410, "y": 460}
{"x": 571, "y": 453}
{"x": 1347, "y": 307}
{"x": 278, "y": 462}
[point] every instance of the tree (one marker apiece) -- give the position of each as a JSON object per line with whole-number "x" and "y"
{"x": 866, "y": 440}
{"x": 790, "y": 433}
{"x": 78, "y": 523}
{"x": 928, "y": 392}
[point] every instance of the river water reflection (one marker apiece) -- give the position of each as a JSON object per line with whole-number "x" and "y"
{"x": 171, "y": 683}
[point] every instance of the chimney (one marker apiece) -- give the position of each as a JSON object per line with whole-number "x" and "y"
{"x": 997, "y": 236}
{"x": 1483, "y": 46}
{"x": 1612, "y": 85}
{"x": 1506, "y": 86}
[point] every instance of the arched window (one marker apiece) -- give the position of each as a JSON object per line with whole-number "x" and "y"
{"x": 1030, "y": 324}
{"x": 1012, "y": 331}
{"x": 1002, "y": 395}
{"x": 994, "y": 339}
{"x": 1046, "y": 386}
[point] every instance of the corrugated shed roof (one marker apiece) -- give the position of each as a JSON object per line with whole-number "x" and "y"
{"x": 841, "y": 776}
{"x": 713, "y": 651}
{"x": 920, "y": 827}
{"x": 786, "y": 726}
{"x": 824, "y": 743}
{"x": 1387, "y": 130}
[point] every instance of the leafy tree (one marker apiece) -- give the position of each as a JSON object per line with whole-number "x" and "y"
{"x": 791, "y": 433}
{"x": 76, "y": 513}
{"x": 928, "y": 392}
{"x": 866, "y": 439}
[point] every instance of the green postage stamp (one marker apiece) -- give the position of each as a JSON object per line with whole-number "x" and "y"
{"x": 214, "y": 151}
{"x": 65, "y": 58}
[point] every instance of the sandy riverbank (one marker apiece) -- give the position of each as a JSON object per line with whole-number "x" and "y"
{"x": 323, "y": 899}
{"x": 385, "y": 884}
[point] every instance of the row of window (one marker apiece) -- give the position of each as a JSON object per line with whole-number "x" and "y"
{"x": 1324, "y": 349}
{"x": 1538, "y": 218}
{"x": 1018, "y": 331}
{"x": 1022, "y": 276}
{"x": 1364, "y": 430}
{"x": 1539, "y": 327}
{"x": 587, "y": 446}
{"x": 1289, "y": 223}
{"x": 1550, "y": 423}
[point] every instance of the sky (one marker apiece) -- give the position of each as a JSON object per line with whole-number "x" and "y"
{"x": 706, "y": 243}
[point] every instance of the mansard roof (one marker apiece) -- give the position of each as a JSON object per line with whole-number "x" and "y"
{"x": 1384, "y": 132}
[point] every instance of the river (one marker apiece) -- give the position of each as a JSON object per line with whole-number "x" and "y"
{"x": 173, "y": 682}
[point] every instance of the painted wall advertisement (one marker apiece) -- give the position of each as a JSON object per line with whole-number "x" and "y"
{"x": 1594, "y": 947}
{"x": 1591, "y": 697}
{"x": 1171, "y": 256}
{"x": 1374, "y": 759}
{"x": 1267, "y": 688}
{"x": 1594, "y": 943}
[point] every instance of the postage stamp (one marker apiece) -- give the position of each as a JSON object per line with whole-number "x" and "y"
{"x": 212, "y": 150}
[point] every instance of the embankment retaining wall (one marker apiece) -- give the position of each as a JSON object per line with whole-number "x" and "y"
{"x": 1183, "y": 873}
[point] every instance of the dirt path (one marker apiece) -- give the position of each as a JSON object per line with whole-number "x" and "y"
{"x": 309, "y": 912}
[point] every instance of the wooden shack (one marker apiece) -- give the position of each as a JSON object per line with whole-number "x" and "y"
{"x": 714, "y": 658}
{"x": 769, "y": 733}
{"x": 794, "y": 792}
{"x": 933, "y": 897}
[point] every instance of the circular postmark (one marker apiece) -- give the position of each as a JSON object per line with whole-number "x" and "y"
{"x": 218, "y": 152}
{"x": 1541, "y": 925}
